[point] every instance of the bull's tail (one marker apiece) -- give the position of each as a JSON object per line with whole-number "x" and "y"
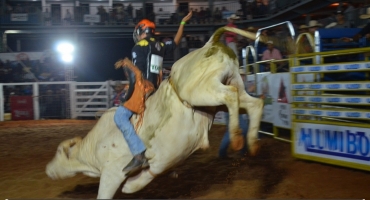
{"x": 283, "y": 43}
{"x": 217, "y": 35}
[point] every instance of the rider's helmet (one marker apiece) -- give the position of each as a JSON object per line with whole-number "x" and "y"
{"x": 144, "y": 26}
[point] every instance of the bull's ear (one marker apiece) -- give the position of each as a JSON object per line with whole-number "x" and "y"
{"x": 74, "y": 141}
{"x": 69, "y": 144}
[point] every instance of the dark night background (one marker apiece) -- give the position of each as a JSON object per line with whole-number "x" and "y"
{"x": 94, "y": 57}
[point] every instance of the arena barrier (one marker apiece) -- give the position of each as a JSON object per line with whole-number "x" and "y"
{"x": 55, "y": 100}
{"x": 331, "y": 113}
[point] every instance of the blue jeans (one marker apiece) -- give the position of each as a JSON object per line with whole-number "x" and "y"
{"x": 122, "y": 119}
{"x": 226, "y": 139}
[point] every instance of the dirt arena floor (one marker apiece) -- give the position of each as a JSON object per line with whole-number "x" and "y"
{"x": 27, "y": 146}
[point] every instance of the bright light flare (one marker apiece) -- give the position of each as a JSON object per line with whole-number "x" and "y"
{"x": 65, "y": 48}
{"x": 67, "y": 58}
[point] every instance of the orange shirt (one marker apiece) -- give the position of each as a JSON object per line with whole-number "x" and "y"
{"x": 136, "y": 103}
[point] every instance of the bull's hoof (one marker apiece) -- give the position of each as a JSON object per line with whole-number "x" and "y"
{"x": 254, "y": 148}
{"x": 237, "y": 143}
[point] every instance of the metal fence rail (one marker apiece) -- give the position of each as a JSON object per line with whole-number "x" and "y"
{"x": 58, "y": 100}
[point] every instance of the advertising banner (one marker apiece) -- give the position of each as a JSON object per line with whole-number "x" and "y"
{"x": 332, "y": 86}
{"x": 360, "y": 100}
{"x": 332, "y": 67}
{"x": 250, "y": 84}
{"x": 92, "y": 18}
{"x": 344, "y": 113}
{"x": 347, "y": 145}
{"x": 19, "y": 17}
{"x": 22, "y": 107}
{"x": 282, "y": 99}
{"x": 20, "y": 56}
{"x": 220, "y": 118}
{"x": 304, "y": 78}
{"x": 265, "y": 88}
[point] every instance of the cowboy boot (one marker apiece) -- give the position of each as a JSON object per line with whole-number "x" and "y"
{"x": 137, "y": 163}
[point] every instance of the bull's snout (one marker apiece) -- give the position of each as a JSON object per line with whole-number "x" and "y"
{"x": 51, "y": 174}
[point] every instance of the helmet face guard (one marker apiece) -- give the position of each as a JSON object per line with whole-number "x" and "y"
{"x": 144, "y": 26}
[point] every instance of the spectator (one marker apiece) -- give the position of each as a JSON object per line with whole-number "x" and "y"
{"x": 366, "y": 30}
{"x": 231, "y": 38}
{"x": 271, "y": 53}
{"x": 18, "y": 9}
{"x": 313, "y": 25}
{"x": 304, "y": 45}
{"x": 217, "y": 15}
{"x": 129, "y": 10}
{"x": 259, "y": 9}
{"x": 119, "y": 90}
{"x": 9, "y": 8}
{"x": 302, "y": 29}
{"x": 202, "y": 15}
{"x": 47, "y": 17}
{"x": 243, "y": 8}
{"x": 184, "y": 49}
{"x": 341, "y": 22}
{"x": 198, "y": 43}
{"x": 68, "y": 17}
{"x": 350, "y": 12}
{"x": 103, "y": 15}
{"x": 208, "y": 16}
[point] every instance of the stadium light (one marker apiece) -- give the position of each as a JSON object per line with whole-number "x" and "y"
{"x": 65, "y": 50}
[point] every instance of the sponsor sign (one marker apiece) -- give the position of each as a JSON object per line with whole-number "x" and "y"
{"x": 332, "y": 67}
{"x": 331, "y": 86}
{"x": 20, "y": 56}
{"x": 250, "y": 85}
{"x": 304, "y": 78}
{"x": 282, "y": 99}
{"x": 340, "y": 143}
{"x": 354, "y": 114}
{"x": 22, "y": 107}
{"x": 265, "y": 87}
{"x": 19, "y": 17}
{"x": 92, "y": 18}
{"x": 220, "y": 118}
{"x": 163, "y": 15}
{"x": 331, "y": 99}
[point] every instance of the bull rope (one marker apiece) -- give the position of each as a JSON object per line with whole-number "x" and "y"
{"x": 139, "y": 122}
{"x": 177, "y": 94}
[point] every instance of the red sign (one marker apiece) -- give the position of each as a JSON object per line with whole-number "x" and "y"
{"x": 22, "y": 107}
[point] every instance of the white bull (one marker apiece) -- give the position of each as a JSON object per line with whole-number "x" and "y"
{"x": 173, "y": 127}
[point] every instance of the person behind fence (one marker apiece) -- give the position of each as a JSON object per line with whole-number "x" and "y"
{"x": 364, "y": 32}
{"x": 243, "y": 123}
{"x": 148, "y": 53}
{"x": 232, "y": 38}
{"x": 271, "y": 53}
{"x": 134, "y": 102}
{"x": 120, "y": 92}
